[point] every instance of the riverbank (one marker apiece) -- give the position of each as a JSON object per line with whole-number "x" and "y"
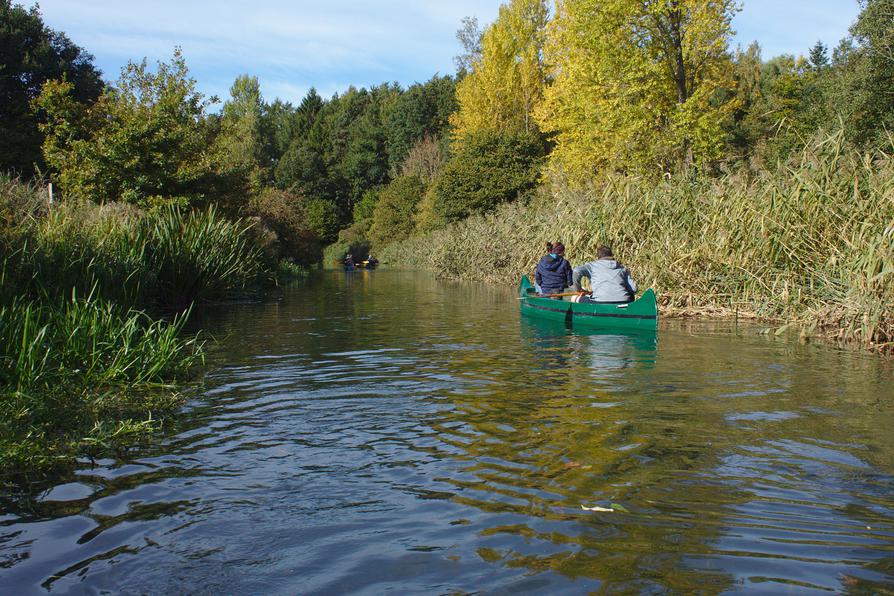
{"x": 810, "y": 242}
{"x": 92, "y": 306}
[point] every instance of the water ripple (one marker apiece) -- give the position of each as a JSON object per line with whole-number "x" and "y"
{"x": 388, "y": 432}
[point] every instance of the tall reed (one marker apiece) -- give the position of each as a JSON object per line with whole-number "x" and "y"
{"x": 80, "y": 367}
{"x": 810, "y": 242}
{"x": 71, "y": 370}
{"x": 169, "y": 258}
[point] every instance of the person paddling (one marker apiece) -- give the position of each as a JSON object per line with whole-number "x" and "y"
{"x": 610, "y": 281}
{"x": 553, "y": 273}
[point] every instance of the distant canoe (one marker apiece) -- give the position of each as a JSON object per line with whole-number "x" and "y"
{"x": 639, "y": 314}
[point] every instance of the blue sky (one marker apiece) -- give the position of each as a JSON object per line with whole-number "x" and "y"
{"x": 294, "y": 45}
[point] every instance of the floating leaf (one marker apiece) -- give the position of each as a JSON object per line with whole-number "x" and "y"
{"x": 596, "y": 508}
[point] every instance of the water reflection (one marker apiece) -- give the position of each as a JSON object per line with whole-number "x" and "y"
{"x": 381, "y": 430}
{"x": 600, "y": 350}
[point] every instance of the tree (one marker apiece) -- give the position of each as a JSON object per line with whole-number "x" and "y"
{"x": 366, "y": 206}
{"x": 241, "y": 139}
{"x": 744, "y": 125}
{"x": 360, "y": 142}
{"x": 393, "y": 216}
{"x": 422, "y": 110}
{"x": 819, "y": 56}
{"x": 278, "y": 128}
{"x": 306, "y": 168}
{"x": 490, "y": 168}
{"x": 145, "y": 137}
{"x": 322, "y": 217}
{"x": 425, "y": 160}
{"x": 507, "y": 82}
{"x": 30, "y": 55}
{"x": 469, "y": 37}
{"x": 638, "y": 84}
{"x": 873, "y": 81}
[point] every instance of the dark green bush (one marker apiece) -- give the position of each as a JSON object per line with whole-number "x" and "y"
{"x": 490, "y": 168}
{"x": 393, "y": 217}
{"x": 282, "y": 230}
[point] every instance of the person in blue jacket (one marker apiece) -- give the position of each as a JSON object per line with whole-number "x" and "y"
{"x": 553, "y": 273}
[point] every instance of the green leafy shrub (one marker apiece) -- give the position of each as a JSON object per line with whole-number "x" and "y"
{"x": 281, "y": 230}
{"x": 393, "y": 218}
{"x": 353, "y": 239}
{"x": 426, "y": 218}
{"x": 366, "y": 206}
{"x": 146, "y": 136}
{"x": 490, "y": 168}
{"x": 322, "y": 218}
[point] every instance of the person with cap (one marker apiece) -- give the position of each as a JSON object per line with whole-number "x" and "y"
{"x": 610, "y": 281}
{"x": 553, "y": 273}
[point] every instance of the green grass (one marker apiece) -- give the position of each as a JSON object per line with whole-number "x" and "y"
{"x": 83, "y": 373}
{"x": 811, "y": 242}
{"x": 166, "y": 259}
{"x": 83, "y": 367}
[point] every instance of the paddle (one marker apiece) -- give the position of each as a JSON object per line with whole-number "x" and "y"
{"x": 581, "y": 293}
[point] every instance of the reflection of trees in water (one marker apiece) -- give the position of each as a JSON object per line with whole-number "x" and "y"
{"x": 598, "y": 419}
{"x": 543, "y": 420}
{"x": 571, "y": 425}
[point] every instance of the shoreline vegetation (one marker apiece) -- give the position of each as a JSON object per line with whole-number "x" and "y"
{"x": 810, "y": 243}
{"x": 92, "y": 307}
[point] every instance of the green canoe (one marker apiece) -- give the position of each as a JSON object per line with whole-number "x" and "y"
{"x": 639, "y": 314}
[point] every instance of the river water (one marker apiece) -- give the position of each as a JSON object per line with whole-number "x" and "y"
{"x": 383, "y": 431}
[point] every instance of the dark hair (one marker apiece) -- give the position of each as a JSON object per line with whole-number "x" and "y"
{"x": 549, "y": 247}
{"x": 559, "y": 248}
{"x": 603, "y": 251}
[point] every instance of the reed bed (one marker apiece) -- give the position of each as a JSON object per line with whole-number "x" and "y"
{"x": 83, "y": 372}
{"x": 166, "y": 259}
{"x": 82, "y": 368}
{"x": 811, "y": 242}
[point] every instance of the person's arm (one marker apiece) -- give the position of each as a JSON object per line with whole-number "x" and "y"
{"x": 568, "y": 275}
{"x": 537, "y": 277}
{"x": 579, "y": 271}
{"x": 630, "y": 283}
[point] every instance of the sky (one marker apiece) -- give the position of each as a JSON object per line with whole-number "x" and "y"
{"x": 294, "y": 45}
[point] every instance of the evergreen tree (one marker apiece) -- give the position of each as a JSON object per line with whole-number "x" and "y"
{"x": 490, "y": 168}
{"x": 819, "y": 56}
{"x": 421, "y": 111}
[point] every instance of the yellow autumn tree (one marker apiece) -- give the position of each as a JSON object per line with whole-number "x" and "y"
{"x": 637, "y": 84}
{"x": 507, "y": 81}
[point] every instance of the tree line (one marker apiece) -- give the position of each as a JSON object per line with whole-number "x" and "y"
{"x": 568, "y": 92}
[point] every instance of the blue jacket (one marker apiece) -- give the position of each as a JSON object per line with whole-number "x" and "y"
{"x": 553, "y": 275}
{"x": 611, "y": 282}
